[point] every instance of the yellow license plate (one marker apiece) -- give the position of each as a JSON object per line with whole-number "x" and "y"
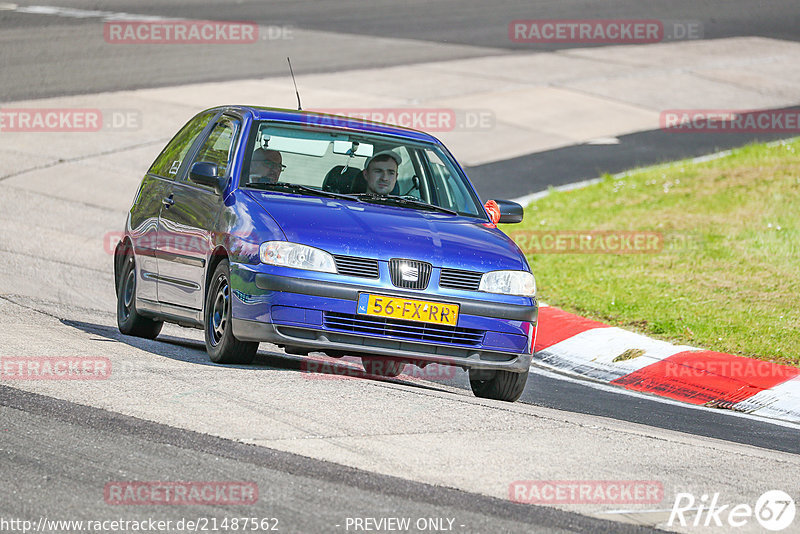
{"x": 407, "y": 309}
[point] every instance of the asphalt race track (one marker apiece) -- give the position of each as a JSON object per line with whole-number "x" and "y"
{"x": 464, "y": 28}
{"x": 322, "y": 449}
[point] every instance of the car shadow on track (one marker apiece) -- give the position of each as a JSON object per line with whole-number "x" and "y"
{"x": 315, "y": 366}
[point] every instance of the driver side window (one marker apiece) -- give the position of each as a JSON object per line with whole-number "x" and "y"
{"x": 218, "y": 148}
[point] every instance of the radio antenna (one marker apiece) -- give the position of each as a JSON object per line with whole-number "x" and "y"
{"x": 299, "y": 107}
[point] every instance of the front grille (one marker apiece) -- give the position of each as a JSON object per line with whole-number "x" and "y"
{"x": 410, "y": 330}
{"x": 353, "y": 266}
{"x": 457, "y": 279}
{"x": 410, "y": 274}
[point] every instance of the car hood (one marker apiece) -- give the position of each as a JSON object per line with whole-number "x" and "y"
{"x": 383, "y": 232}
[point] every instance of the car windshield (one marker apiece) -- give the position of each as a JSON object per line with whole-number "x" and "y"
{"x": 330, "y": 163}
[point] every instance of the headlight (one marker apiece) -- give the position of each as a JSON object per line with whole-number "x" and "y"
{"x": 520, "y": 283}
{"x": 295, "y": 255}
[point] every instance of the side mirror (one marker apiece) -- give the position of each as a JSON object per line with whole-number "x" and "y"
{"x": 205, "y": 173}
{"x": 504, "y": 211}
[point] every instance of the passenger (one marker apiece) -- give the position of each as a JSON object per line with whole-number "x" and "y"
{"x": 266, "y": 166}
{"x": 380, "y": 172}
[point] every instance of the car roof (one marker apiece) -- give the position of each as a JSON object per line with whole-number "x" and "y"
{"x": 326, "y": 120}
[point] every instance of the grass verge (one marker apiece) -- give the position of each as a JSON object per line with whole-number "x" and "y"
{"x": 727, "y": 275}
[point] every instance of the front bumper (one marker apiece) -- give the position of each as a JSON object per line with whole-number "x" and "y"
{"x": 293, "y": 312}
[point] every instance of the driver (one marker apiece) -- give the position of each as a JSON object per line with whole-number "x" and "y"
{"x": 266, "y": 166}
{"x": 380, "y": 172}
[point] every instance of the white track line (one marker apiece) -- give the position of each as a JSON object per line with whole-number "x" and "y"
{"x": 73, "y": 13}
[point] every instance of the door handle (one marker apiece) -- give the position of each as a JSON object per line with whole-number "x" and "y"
{"x": 168, "y": 201}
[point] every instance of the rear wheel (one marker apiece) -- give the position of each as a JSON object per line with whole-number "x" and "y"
{"x": 387, "y": 367}
{"x": 221, "y": 345}
{"x": 129, "y": 321}
{"x": 497, "y": 385}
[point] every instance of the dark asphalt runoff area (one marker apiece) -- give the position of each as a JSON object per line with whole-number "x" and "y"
{"x": 517, "y": 177}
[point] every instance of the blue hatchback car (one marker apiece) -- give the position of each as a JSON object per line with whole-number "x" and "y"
{"x": 322, "y": 233}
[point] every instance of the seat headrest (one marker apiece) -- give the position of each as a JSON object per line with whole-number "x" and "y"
{"x": 338, "y": 182}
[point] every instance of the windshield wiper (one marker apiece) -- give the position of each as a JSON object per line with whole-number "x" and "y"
{"x": 404, "y": 201}
{"x": 297, "y": 188}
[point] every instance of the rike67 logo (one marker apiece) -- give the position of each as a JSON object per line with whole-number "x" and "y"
{"x": 774, "y": 510}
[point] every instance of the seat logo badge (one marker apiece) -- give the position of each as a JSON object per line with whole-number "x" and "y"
{"x": 409, "y": 273}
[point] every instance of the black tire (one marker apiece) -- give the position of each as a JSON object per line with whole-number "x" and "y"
{"x": 387, "y": 367}
{"x": 129, "y": 321}
{"x": 221, "y": 346}
{"x": 497, "y": 385}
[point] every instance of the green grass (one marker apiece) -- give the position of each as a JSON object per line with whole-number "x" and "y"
{"x": 728, "y": 275}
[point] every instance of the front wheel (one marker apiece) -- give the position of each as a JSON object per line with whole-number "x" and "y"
{"x": 129, "y": 321}
{"x": 497, "y": 385}
{"x": 221, "y": 345}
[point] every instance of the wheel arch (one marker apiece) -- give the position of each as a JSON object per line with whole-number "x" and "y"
{"x": 124, "y": 246}
{"x": 219, "y": 254}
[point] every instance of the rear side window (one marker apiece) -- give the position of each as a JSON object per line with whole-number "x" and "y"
{"x": 169, "y": 161}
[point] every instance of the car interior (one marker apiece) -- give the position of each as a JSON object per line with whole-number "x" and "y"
{"x": 333, "y": 162}
{"x": 341, "y": 179}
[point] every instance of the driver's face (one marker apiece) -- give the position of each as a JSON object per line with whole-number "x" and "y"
{"x": 381, "y": 176}
{"x": 267, "y": 170}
